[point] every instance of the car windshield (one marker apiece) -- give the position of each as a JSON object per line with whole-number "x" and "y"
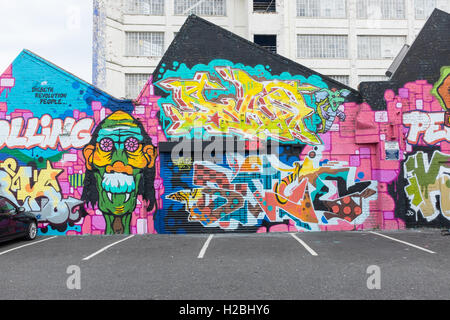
{"x": 5, "y": 206}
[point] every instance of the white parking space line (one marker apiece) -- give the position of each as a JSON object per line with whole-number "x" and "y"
{"x": 106, "y": 248}
{"x": 401, "y": 241}
{"x": 205, "y": 246}
{"x": 304, "y": 244}
{"x": 26, "y": 245}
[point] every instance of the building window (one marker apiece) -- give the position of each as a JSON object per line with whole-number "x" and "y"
{"x": 322, "y": 8}
{"x": 145, "y": 7}
{"x": 264, "y": 6}
{"x": 201, "y": 7}
{"x": 341, "y": 78}
{"x": 372, "y": 78}
{"x": 379, "y": 47}
{"x": 134, "y": 83}
{"x": 267, "y": 41}
{"x": 424, "y": 8}
{"x": 322, "y": 46}
{"x": 144, "y": 44}
{"x": 380, "y": 9}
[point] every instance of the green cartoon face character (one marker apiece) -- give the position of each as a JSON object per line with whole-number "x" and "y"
{"x": 119, "y": 158}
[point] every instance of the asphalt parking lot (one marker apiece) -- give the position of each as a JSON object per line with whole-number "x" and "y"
{"x": 413, "y": 264}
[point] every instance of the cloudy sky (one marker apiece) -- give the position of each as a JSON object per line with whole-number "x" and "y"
{"x": 57, "y": 30}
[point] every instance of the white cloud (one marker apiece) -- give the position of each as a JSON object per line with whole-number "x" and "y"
{"x": 58, "y": 30}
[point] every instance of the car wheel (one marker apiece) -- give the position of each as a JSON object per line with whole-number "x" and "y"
{"x": 31, "y": 231}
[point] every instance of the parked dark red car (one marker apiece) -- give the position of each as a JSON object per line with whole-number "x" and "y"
{"x": 15, "y": 222}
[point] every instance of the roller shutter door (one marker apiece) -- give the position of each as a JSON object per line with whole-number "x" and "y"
{"x": 191, "y": 205}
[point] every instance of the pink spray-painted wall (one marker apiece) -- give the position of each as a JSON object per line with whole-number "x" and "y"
{"x": 86, "y": 163}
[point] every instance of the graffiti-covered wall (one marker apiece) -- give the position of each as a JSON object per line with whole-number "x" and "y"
{"x": 327, "y": 167}
{"x": 344, "y": 160}
{"x": 419, "y": 89}
{"x": 80, "y": 160}
{"x": 228, "y": 137}
{"x": 424, "y": 185}
{"x": 317, "y": 188}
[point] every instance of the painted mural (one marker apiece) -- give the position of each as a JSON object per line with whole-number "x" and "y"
{"x": 428, "y": 186}
{"x": 38, "y": 191}
{"x": 224, "y": 99}
{"x": 75, "y": 157}
{"x": 120, "y": 165}
{"x": 84, "y": 162}
{"x": 424, "y": 181}
{"x": 320, "y": 188}
{"x": 253, "y": 192}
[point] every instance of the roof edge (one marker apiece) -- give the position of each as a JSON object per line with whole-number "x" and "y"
{"x": 71, "y": 75}
{"x": 194, "y": 17}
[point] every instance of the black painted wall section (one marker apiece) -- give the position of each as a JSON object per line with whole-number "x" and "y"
{"x": 396, "y": 189}
{"x": 200, "y": 42}
{"x": 428, "y": 53}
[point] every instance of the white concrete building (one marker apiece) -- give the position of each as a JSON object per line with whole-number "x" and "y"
{"x": 350, "y": 40}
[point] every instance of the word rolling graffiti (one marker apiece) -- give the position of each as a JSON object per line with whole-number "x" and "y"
{"x": 231, "y": 101}
{"x": 249, "y": 190}
{"x": 428, "y": 186}
{"x": 37, "y": 191}
{"x": 53, "y": 132}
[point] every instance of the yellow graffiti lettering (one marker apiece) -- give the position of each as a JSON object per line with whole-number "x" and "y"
{"x": 26, "y": 182}
{"x": 257, "y": 108}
